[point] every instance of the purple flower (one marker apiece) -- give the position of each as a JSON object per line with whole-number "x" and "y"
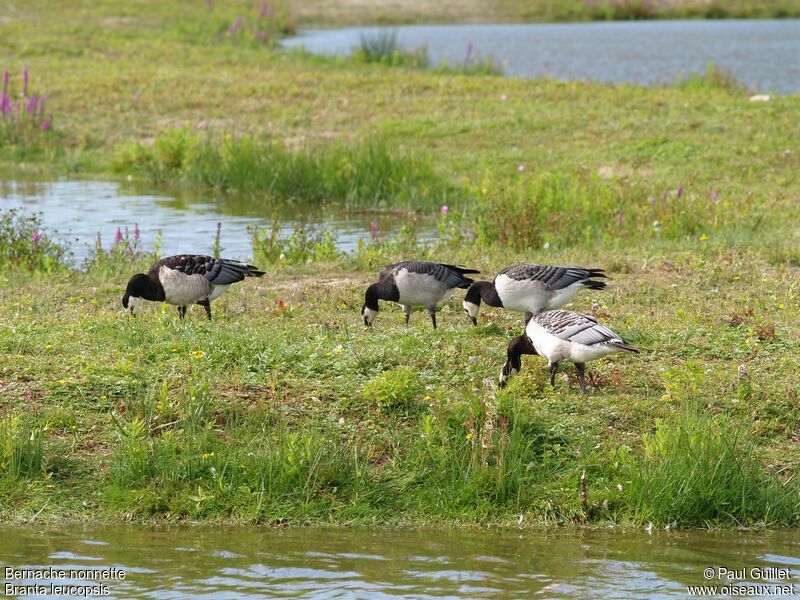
{"x": 25, "y": 81}
{"x": 5, "y": 82}
{"x": 136, "y": 233}
{"x": 679, "y": 191}
{"x": 36, "y": 237}
{"x": 210, "y": 3}
{"x": 47, "y": 123}
{"x": 236, "y": 25}
{"x": 5, "y": 104}
{"x": 373, "y": 230}
{"x": 715, "y": 197}
{"x": 521, "y": 168}
{"x": 118, "y": 236}
{"x": 266, "y": 11}
{"x": 443, "y": 210}
{"x": 30, "y": 106}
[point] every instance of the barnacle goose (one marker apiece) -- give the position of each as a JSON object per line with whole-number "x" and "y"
{"x": 563, "y": 335}
{"x": 414, "y": 282}
{"x": 186, "y": 279}
{"x": 531, "y": 288}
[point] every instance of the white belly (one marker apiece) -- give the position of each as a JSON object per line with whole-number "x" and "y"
{"x": 182, "y": 289}
{"x": 419, "y": 289}
{"x": 552, "y": 348}
{"x": 217, "y": 291}
{"x": 531, "y": 296}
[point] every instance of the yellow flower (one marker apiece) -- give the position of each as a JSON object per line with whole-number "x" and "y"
{"x": 469, "y": 436}
{"x": 427, "y": 399}
{"x": 198, "y": 354}
{"x": 703, "y": 237}
{"x": 338, "y": 349}
{"x": 207, "y": 455}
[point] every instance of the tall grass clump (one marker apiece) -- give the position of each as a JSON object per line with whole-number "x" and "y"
{"x": 714, "y": 78}
{"x": 21, "y": 448}
{"x": 383, "y": 48}
{"x": 700, "y": 469}
{"x": 24, "y": 244}
{"x": 369, "y": 173}
{"x": 470, "y": 459}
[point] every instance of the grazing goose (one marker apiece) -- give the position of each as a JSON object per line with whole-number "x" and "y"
{"x": 563, "y": 335}
{"x": 531, "y": 289}
{"x": 414, "y": 282}
{"x": 186, "y": 279}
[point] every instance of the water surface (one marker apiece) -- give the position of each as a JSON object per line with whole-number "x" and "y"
{"x": 765, "y": 54}
{"x": 185, "y": 221}
{"x": 244, "y": 563}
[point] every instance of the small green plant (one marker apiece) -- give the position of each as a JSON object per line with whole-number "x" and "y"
{"x": 305, "y": 244}
{"x": 396, "y": 390}
{"x": 24, "y": 244}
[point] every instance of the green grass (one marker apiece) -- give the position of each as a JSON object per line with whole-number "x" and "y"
{"x": 366, "y": 174}
{"x": 284, "y": 409}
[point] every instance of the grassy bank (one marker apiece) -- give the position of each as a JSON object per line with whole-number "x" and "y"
{"x": 343, "y": 12}
{"x": 283, "y": 410}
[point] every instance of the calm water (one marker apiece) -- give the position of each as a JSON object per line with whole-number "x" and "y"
{"x": 204, "y": 562}
{"x": 764, "y": 54}
{"x": 80, "y": 210}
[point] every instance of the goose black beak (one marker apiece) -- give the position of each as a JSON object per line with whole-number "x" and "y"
{"x": 474, "y": 321}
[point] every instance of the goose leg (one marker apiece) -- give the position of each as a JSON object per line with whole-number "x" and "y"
{"x": 553, "y": 371}
{"x": 432, "y": 311}
{"x": 407, "y": 312}
{"x": 182, "y": 312}
{"x": 207, "y": 305}
{"x": 580, "y": 367}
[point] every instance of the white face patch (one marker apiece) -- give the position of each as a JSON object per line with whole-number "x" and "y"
{"x": 369, "y": 315}
{"x": 471, "y": 309}
{"x": 134, "y": 305}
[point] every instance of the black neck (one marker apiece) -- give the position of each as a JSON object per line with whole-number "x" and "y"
{"x": 385, "y": 289}
{"x": 486, "y": 291}
{"x": 519, "y": 346}
{"x": 152, "y": 289}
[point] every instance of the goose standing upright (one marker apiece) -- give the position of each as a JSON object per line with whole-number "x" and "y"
{"x": 563, "y": 335}
{"x": 186, "y": 279}
{"x": 531, "y": 288}
{"x": 413, "y": 283}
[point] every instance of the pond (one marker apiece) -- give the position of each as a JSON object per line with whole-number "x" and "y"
{"x": 242, "y": 563}
{"x": 185, "y": 221}
{"x": 762, "y": 53}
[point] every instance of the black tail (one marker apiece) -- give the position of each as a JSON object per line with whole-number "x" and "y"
{"x": 593, "y": 284}
{"x": 254, "y": 272}
{"x": 461, "y": 271}
{"x": 625, "y": 346}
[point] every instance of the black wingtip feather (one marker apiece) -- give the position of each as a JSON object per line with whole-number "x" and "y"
{"x": 594, "y": 285}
